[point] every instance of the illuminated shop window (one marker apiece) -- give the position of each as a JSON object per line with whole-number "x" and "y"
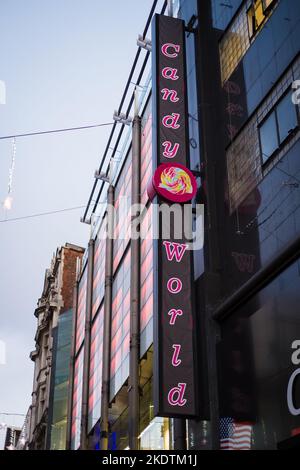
{"x": 95, "y": 375}
{"x": 156, "y": 435}
{"x": 154, "y": 432}
{"x": 120, "y": 326}
{"x": 81, "y": 310}
{"x": 77, "y": 401}
{"x": 244, "y": 27}
{"x": 278, "y": 126}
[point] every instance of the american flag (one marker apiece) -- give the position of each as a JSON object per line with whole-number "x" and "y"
{"x": 235, "y": 435}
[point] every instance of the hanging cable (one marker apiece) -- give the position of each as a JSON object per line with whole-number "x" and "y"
{"x": 42, "y": 214}
{"x": 55, "y": 131}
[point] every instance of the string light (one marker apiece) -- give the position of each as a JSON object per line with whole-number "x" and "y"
{"x": 7, "y": 204}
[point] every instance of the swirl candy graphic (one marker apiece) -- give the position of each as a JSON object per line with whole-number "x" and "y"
{"x": 176, "y": 181}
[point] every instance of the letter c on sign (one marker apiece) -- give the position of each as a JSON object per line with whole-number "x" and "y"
{"x": 174, "y": 285}
{"x": 294, "y": 411}
{"x": 168, "y": 46}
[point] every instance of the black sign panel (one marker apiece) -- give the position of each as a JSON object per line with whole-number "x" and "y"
{"x": 174, "y": 325}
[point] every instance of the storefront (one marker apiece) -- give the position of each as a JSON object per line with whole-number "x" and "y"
{"x": 242, "y": 378}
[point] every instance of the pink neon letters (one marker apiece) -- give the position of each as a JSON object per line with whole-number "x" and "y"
{"x": 176, "y": 394}
{"x": 170, "y": 74}
{"x": 171, "y": 121}
{"x": 168, "y": 46}
{"x": 173, "y": 313}
{"x": 174, "y": 285}
{"x": 169, "y": 151}
{"x": 175, "y": 359}
{"x": 172, "y": 94}
{"x": 175, "y": 250}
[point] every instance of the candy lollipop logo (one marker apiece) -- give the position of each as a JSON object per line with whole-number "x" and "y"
{"x": 174, "y": 182}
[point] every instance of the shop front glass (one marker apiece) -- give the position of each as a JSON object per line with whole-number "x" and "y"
{"x": 259, "y": 368}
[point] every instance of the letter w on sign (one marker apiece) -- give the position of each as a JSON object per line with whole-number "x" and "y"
{"x": 176, "y": 250}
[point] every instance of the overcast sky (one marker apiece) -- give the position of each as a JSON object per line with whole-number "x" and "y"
{"x": 65, "y": 64}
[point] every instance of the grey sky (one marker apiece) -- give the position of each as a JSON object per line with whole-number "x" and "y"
{"x": 65, "y": 63}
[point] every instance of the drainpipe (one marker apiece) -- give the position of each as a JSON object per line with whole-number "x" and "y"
{"x": 87, "y": 347}
{"x": 134, "y": 379}
{"x": 72, "y": 364}
{"x": 104, "y": 421}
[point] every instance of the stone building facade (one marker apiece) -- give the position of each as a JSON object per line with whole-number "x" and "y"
{"x": 56, "y": 298}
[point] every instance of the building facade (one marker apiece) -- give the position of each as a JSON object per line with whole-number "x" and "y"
{"x": 243, "y": 64}
{"x": 11, "y": 438}
{"x": 53, "y": 310}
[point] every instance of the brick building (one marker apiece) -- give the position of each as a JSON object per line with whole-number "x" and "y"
{"x": 55, "y": 302}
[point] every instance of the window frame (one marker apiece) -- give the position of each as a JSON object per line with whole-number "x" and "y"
{"x": 272, "y": 111}
{"x": 252, "y": 11}
{"x": 266, "y": 9}
{"x": 289, "y": 136}
{"x": 291, "y": 131}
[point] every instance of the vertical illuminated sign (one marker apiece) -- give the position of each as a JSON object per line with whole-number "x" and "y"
{"x": 173, "y": 182}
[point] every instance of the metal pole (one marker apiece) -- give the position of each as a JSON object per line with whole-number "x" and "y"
{"x": 104, "y": 421}
{"x": 72, "y": 364}
{"x": 134, "y": 379}
{"x": 87, "y": 345}
{"x": 179, "y": 434}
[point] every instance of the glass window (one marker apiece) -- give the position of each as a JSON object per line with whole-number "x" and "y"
{"x": 99, "y": 268}
{"x": 96, "y": 369}
{"x": 259, "y": 386}
{"x": 287, "y": 117}
{"x": 269, "y": 137}
{"x": 77, "y": 401}
{"x": 119, "y": 366}
{"x": 61, "y": 382}
{"x": 256, "y": 17}
{"x": 122, "y": 213}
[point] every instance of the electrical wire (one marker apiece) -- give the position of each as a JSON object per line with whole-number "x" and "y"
{"x": 42, "y": 214}
{"x": 55, "y": 131}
